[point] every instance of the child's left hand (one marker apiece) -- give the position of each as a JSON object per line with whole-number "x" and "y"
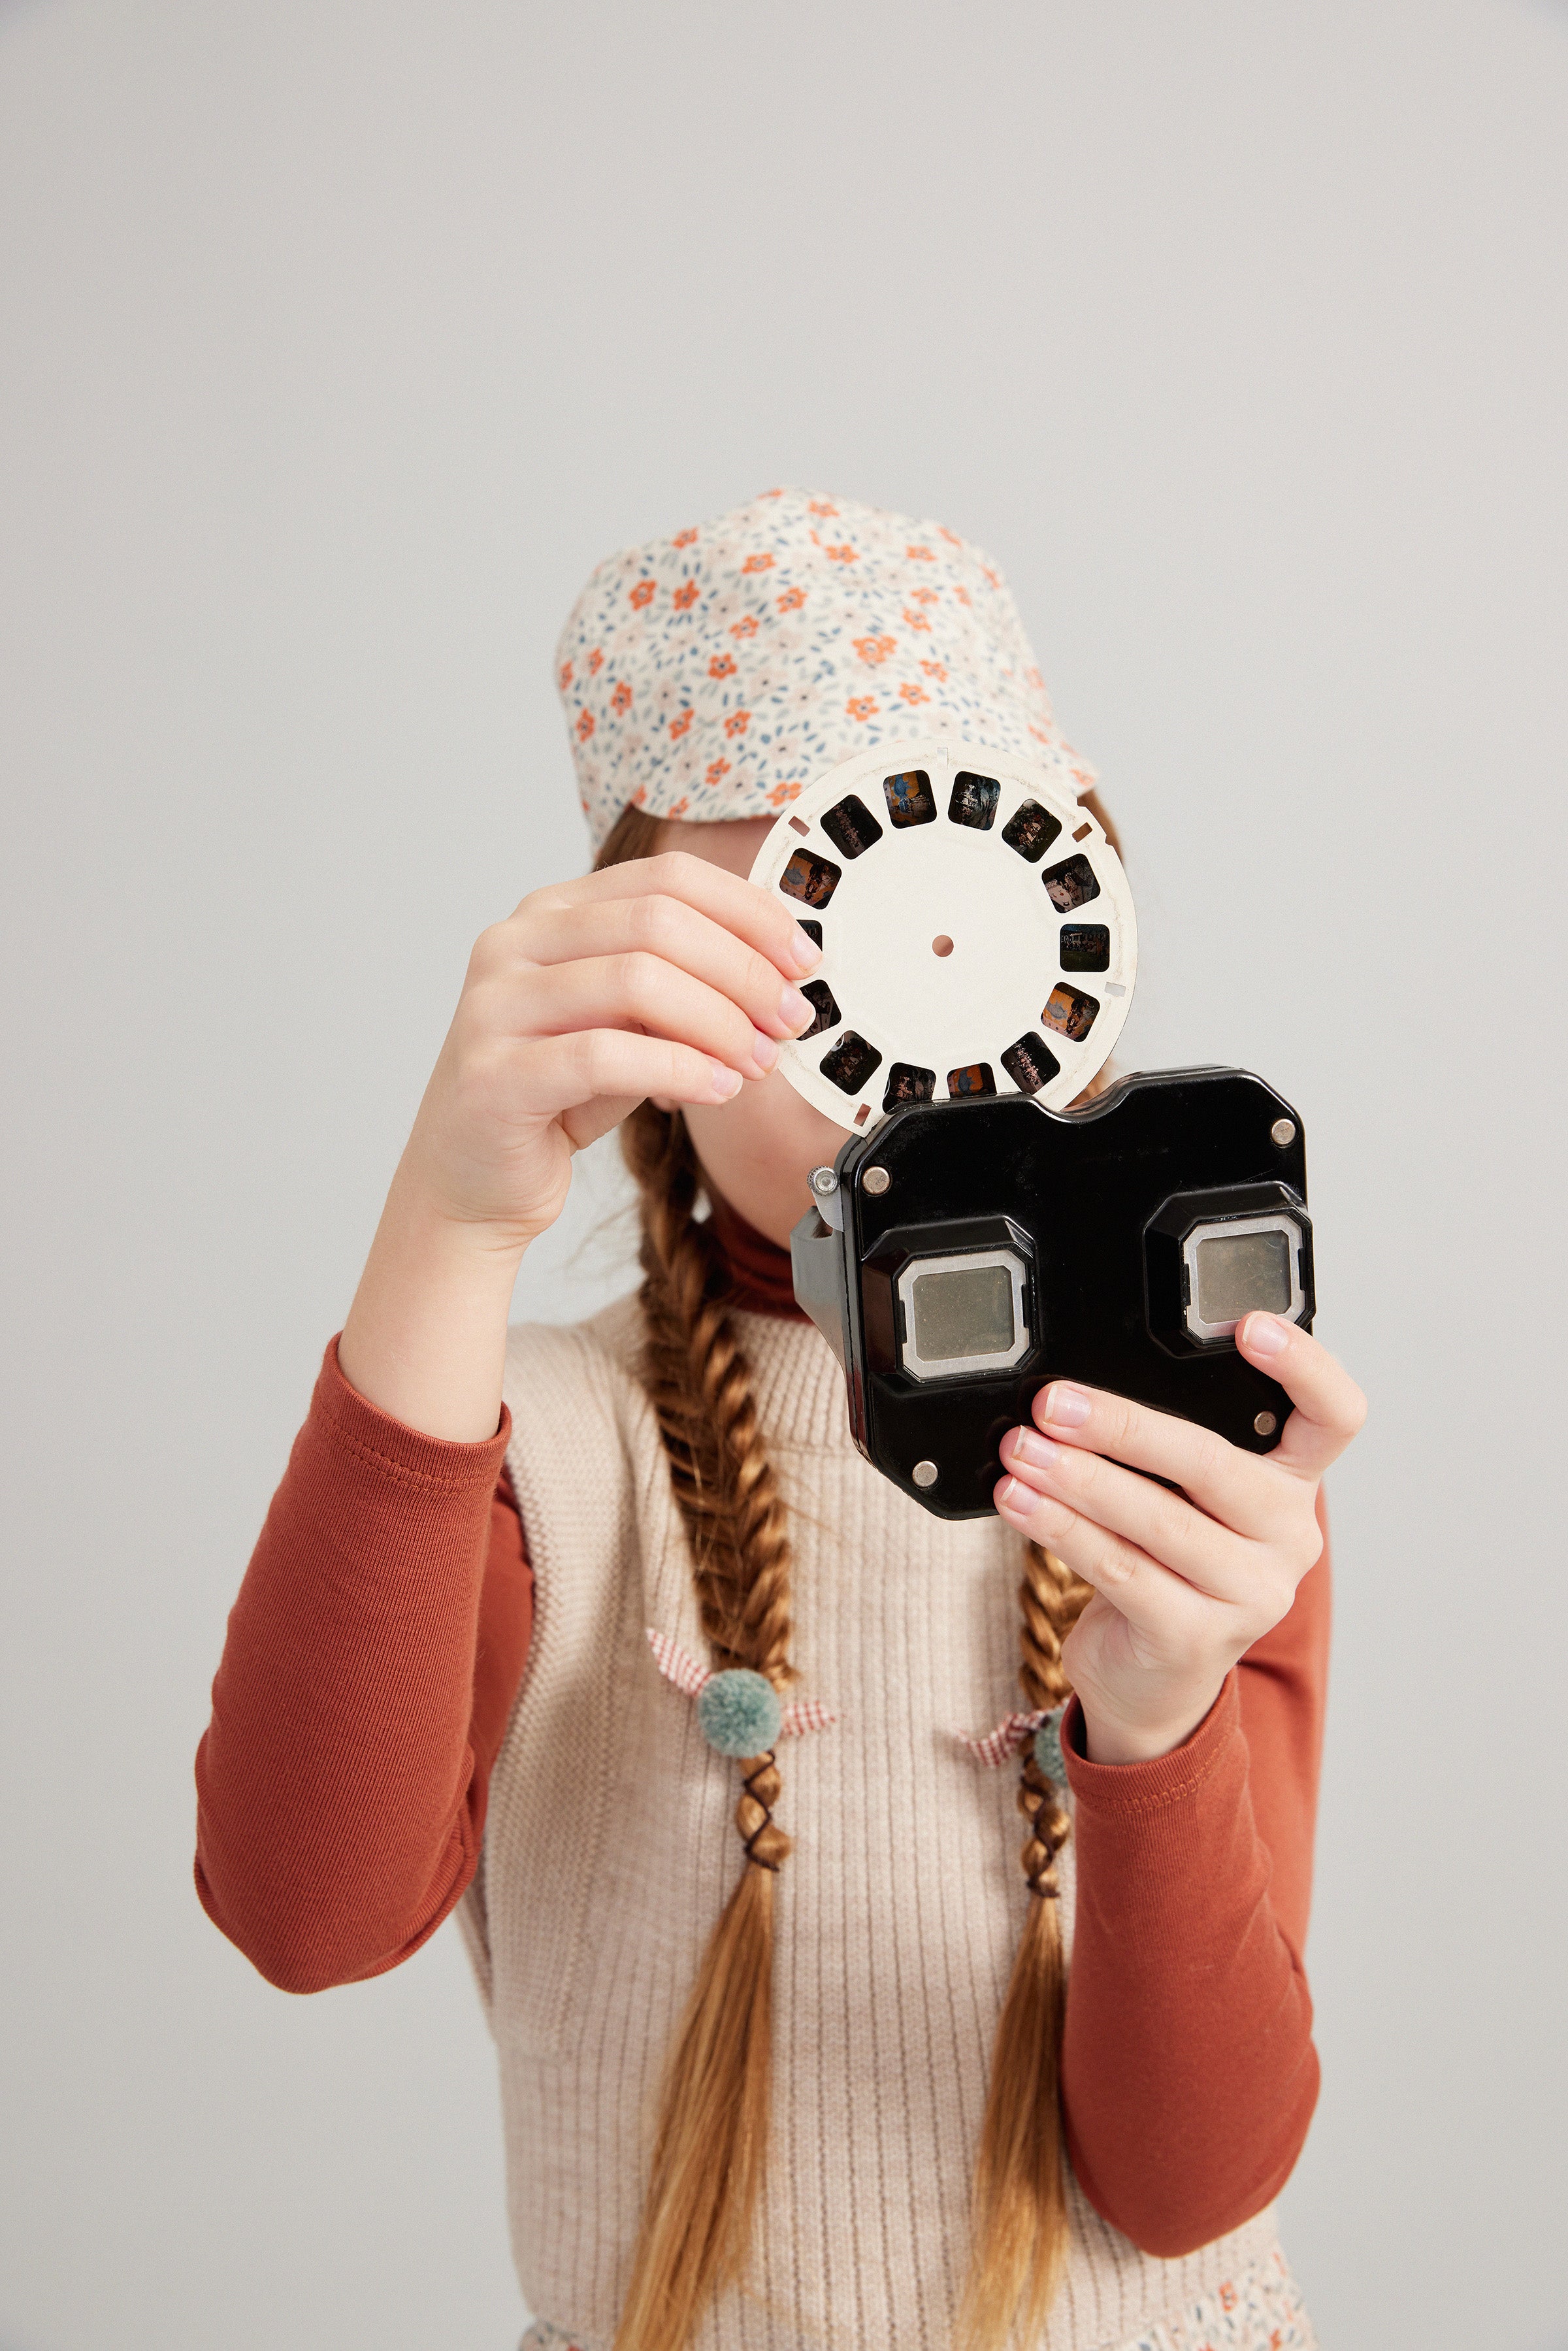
{"x": 1184, "y": 1583}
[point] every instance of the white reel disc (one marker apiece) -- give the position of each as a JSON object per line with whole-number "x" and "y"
{"x": 977, "y": 930}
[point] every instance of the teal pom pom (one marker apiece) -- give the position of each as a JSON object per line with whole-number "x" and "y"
{"x": 1048, "y": 1749}
{"x": 739, "y": 1713}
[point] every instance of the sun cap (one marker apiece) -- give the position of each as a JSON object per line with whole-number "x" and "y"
{"x": 716, "y": 673}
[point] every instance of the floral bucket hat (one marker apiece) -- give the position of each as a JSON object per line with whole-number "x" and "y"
{"x": 716, "y": 673}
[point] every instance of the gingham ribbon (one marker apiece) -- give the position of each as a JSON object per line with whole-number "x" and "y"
{"x": 689, "y": 1674}
{"x": 999, "y": 1746}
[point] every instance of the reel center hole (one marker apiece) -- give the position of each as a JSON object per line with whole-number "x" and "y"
{"x": 942, "y": 944}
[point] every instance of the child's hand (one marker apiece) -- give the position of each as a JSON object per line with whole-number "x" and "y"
{"x": 667, "y": 977}
{"x": 1182, "y": 1586}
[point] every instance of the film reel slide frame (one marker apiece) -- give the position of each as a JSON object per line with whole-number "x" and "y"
{"x": 976, "y": 928}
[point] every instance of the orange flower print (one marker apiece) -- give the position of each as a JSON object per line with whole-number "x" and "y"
{"x": 820, "y": 507}
{"x": 643, "y": 593}
{"x": 781, "y": 793}
{"x": 757, "y": 563}
{"x": 925, "y": 595}
{"x": 1039, "y": 733}
{"x": 791, "y": 599}
{"x": 862, "y": 707}
{"x": 919, "y": 620}
{"x": 873, "y": 650}
{"x": 920, "y": 554}
{"x": 621, "y": 700}
{"x": 679, "y": 725}
{"x": 746, "y": 628}
{"x": 584, "y": 725}
{"x": 961, "y": 592}
{"x": 565, "y": 675}
{"x": 951, "y": 536}
{"x": 914, "y": 694}
{"x": 595, "y": 662}
{"x": 678, "y": 810}
{"x": 684, "y": 538}
{"x": 722, "y": 665}
{"x": 1035, "y": 678}
{"x": 992, "y": 574}
{"x": 934, "y": 668}
{"x": 1228, "y": 2297}
{"x": 719, "y": 767}
{"x": 846, "y": 554}
{"x": 685, "y": 596}
{"x": 738, "y": 722}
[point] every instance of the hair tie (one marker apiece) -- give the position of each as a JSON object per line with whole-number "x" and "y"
{"x": 739, "y": 1713}
{"x": 1016, "y": 1730}
{"x": 1048, "y": 1748}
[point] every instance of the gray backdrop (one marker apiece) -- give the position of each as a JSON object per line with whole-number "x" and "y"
{"x": 339, "y": 340}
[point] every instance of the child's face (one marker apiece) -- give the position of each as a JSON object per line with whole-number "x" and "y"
{"x": 760, "y": 1148}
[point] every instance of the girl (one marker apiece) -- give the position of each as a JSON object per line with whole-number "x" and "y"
{"x": 532, "y": 1618}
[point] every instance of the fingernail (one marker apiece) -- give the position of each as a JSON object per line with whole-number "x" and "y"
{"x": 1266, "y": 1334}
{"x": 1068, "y": 1407}
{"x": 726, "y": 1083}
{"x": 764, "y": 1051}
{"x": 795, "y": 1011}
{"x": 1037, "y": 1450}
{"x": 1045, "y": 1515}
{"x": 808, "y": 954}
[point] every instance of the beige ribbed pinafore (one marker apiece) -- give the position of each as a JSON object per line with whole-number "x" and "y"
{"x": 611, "y": 1849}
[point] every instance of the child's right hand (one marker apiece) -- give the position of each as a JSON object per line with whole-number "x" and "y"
{"x": 669, "y": 977}
{"x": 666, "y": 977}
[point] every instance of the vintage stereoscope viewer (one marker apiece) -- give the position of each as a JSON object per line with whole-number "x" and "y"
{"x": 989, "y": 1224}
{"x": 965, "y": 1253}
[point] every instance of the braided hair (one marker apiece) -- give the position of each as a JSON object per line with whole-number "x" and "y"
{"x": 1019, "y": 2241}
{"x": 711, "y": 2141}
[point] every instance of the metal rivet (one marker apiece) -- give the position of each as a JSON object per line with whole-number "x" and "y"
{"x": 925, "y": 1473}
{"x": 1265, "y": 1422}
{"x": 824, "y": 1181}
{"x": 1283, "y": 1131}
{"x": 876, "y": 1180}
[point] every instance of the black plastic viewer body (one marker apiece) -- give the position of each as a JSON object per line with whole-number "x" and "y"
{"x": 964, "y": 1253}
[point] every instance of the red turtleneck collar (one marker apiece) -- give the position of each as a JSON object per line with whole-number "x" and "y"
{"x": 760, "y": 1268}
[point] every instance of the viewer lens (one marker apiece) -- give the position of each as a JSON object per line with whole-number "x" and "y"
{"x": 1238, "y": 1277}
{"x": 969, "y": 1314}
{"x": 962, "y": 1316}
{"x": 1233, "y": 1266}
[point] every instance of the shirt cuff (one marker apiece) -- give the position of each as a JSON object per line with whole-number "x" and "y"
{"x": 1122, "y": 1791}
{"x": 431, "y": 1464}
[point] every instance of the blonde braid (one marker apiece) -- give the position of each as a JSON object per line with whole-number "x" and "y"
{"x": 711, "y": 2138}
{"x": 1019, "y": 2237}
{"x": 713, "y": 2124}
{"x": 1052, "y": 1599}
{"x": 699, "y": 1384}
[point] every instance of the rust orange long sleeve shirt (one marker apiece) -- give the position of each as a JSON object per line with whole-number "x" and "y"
{"x": 373, "y": 1656}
